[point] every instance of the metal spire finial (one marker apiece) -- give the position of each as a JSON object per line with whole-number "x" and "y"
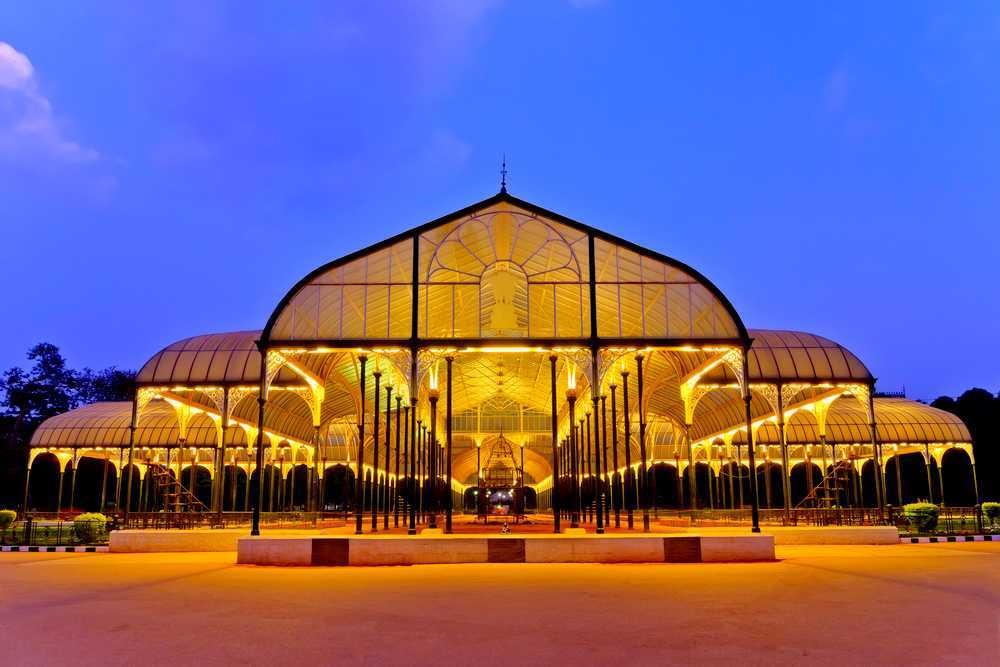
{"x": 503, "y": 174}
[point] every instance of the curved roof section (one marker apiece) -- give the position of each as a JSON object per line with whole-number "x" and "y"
{"x": 107, "y": 425}
{"x": 544, "y": 262}
{"x": 898, "y": 420}
{"x": 781, "y": 356}
{"x": 220, "y": 358}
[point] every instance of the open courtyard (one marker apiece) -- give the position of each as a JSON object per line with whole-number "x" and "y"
{"x": 920, "y": 604}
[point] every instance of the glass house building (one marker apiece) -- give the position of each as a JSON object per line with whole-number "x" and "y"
{"x": 508, "y": 358}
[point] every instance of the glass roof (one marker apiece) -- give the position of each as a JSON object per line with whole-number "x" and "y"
{"x": 499, "y": 269}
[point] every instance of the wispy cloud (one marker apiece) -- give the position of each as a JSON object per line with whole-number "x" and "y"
{"x": 29, "y": 128}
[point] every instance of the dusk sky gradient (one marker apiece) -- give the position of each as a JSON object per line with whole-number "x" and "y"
{"x": 171, "y": 169}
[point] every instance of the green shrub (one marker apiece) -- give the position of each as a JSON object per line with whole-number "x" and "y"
{"x": 91, "y": 527}
{"x": 7, "y": 518}
{"x": 990, "y": 510}
{"x": 923, "y": 517}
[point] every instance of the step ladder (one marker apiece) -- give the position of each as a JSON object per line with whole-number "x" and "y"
{"x": 176, "y": 497}
{"x": 829, "y": 491}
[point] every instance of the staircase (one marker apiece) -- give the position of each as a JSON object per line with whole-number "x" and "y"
{"x": 176, "y": 497}
{"x": 829, "y": 491}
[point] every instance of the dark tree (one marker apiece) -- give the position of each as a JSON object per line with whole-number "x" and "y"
{"x": 111, "y": 384}
{"x": 48, "y": 388}
{"x": 980, "y": 410}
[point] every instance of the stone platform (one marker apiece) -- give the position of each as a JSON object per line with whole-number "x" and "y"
{"x": 438, "y": 549}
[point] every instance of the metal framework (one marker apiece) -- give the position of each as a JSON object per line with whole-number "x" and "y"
{"x": 541, "y": 325}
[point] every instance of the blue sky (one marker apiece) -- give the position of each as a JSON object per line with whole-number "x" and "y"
{"x": 173, "y": 170}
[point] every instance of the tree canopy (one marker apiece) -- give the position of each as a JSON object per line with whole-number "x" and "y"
{"x": 48, "y": 387}
{"x": 980, "y": 410}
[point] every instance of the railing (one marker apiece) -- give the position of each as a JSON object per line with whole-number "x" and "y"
{"x": 188, "y": 520}
{"x": 44, "y": 532}
{"x": 834, "y": 516}
{"x": 951, "y": 521}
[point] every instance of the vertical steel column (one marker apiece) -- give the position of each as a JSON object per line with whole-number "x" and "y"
{"x": 432, "y": 500}
{"x": 395, "y": 495}
{"x": 876, "y": 455}
{"x": 414, "y": 491}
{"x": 643, "y": 483}
{"x": 449, "y": 509}
{"x": 692, "y": 469}
{"x": 376, "y": 419}
{"x": 27, "y": 479}
{"x": 598, "y": 491}
{"x": 739, "y": 469}
{"x": 388, "y": 435}
{"x": 628, "y": 498}
{"x": 755, "y": 505}
{"x": 927, "y": 466}
{"x": 359, "y": 486}
{"x": 604, "y": 448}
{"x": 104, "y": 482}
{"x": 589, "y": 469}
{"x": 617, "y": 492}
{"x": 261, "y": 402}
{"x": 574, "y": 521}
{"x": 555, "y": 447}
{"x": 131, "y": 449}
{"x": 786, "y": 473}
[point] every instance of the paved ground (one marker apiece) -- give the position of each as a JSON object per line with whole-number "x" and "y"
{"x": 909, "y": 603}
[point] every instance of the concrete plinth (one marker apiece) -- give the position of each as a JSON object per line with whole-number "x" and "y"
{"x": 147, "y": 541}
{"x": 409, "y": 550}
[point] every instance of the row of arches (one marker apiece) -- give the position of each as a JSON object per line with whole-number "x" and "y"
{"x": 729, "y": 486}
{"x": 94, "y": 485}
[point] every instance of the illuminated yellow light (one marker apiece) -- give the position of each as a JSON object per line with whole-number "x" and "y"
{"x": 432, "y": 378}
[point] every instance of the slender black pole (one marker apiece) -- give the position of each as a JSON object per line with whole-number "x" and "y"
{"x": 385, "y": 483}
{"x": 643, "y": 482}
{"x": 617, "y": 494}
{"x": 589, "y": 472}
{"x": 395, "y": 495}
{"x": 432, "y": 501}
{"x": 376, "y": 418}
{"x": 604, "y": 448}
{"x": 449, "y": 509}
{"x": 754, "y": 496}
{"x": 131, "y": 448}
{"x": 413, "y": 489}
{"x": 574, "y": 521}
{"x": 598, "y": 491}
{"x": 629, "y": 495}
{"x": 555, "y": 446}
{"x": 359, "y": 486}
{"x": 261, "y": 401}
